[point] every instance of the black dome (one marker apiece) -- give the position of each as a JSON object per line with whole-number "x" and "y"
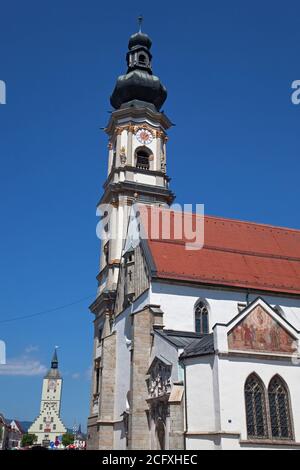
{"x": 139, "y": 39}
{"x": 138, "y": 85}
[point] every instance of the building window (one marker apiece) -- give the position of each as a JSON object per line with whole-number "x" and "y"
{"x": 41, "y": 427}
{"x": 100, "y": 332}
{"x": 106, "y": 252}
{"x": 54, "y": 427}
{"x": 201, "y": 317}
{"x": 97, "y": 378}
{"x": 142, "y": 59}
{"x": 277, "y": 423}
{"x": 279, "y": 407}
{"x": 142, "y": 160}
{"x": 255, "y": 400}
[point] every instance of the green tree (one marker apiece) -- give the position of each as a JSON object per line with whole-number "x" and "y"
{"x": 67, "y": 439}
{"x": 28, "y": 439}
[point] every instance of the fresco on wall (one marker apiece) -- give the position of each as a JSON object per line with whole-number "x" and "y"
{"x": 260, "y": 332}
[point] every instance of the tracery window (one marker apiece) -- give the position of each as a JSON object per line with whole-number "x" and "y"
{"x": 201, "y": 317}
{"x": 255, "y": 408}
{"x": 279, "y": 406}
{"x": 268, "y": 416}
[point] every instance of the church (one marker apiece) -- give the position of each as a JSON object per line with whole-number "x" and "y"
{"x": 48, "y": 425}
{"x": 193, "y": 348}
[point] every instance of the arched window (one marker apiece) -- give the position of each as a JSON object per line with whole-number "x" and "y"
{"x": 255, "y": 401}
{"x": 279, "y": 405}
{"x": 201, "y": 317}
{"x": 142, "y": 59}
{"x": 142, "y": 160}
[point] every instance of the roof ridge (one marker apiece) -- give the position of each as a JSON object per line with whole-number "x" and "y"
{"x": 219, "y": 218}
{"x": 249, "y": 222}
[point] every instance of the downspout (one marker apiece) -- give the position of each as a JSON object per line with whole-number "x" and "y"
{"x": 185, "y": 405}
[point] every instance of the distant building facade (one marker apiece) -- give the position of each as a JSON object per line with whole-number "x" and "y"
{"x": 48, "y": 425}
{"x": 15, "y": 434}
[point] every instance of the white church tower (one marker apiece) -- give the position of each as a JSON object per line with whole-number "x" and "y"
{"x": 137, "y": 172}
{"x": 48, "y": 424}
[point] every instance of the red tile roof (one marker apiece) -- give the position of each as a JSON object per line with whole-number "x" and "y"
{"x": 235, "y": 253}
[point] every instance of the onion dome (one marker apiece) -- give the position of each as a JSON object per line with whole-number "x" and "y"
{"x": 139, "y": 87}
{"x": 139, "y": 39}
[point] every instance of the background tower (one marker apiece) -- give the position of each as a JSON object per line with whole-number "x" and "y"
{"x": 137, "y": 171}
{"x": 48, "y": 424}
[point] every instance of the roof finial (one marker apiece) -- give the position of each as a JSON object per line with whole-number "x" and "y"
{"x": 140, "y": 21}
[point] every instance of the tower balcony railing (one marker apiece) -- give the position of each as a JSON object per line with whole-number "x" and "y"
{"x": 143, "y": 165}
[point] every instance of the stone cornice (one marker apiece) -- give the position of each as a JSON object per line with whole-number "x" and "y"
{"x": 138, "y": 113}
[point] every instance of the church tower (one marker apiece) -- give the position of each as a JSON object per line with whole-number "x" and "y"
{"x": 48, "y": 424}
{"x": 137, "y": 172}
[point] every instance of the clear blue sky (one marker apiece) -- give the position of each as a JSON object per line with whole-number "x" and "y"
{"x": 228, "y": 67}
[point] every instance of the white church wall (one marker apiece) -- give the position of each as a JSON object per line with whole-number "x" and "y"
{"x": 200, "y": 395}
{"x": 231, "y": 391}
{"x": 122, "y": 327}
{"x": 227, "y": 387}
{"x": 177, "y": 302}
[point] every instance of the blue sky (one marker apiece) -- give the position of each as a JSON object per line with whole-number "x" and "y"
{"x": 228, "y": 67}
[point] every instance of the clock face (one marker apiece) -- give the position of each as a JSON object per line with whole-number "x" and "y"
{"x": 144, "y": 136}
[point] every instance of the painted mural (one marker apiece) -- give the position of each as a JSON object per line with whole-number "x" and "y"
{"x": 260, "y": 332}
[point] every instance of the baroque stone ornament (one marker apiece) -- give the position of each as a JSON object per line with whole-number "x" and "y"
{"x": 123, "y": 155}
{"x": 144, "y": 126}
{"x": 163, "y": 162}
{"x": 160, "y": 134}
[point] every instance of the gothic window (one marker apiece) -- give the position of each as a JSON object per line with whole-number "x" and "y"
{"x": 279, "y": 406}
{"x": 142, "y": 160}
{"x": 255, "y": 401}
{"x": 97, "y": 379}
{"x": 201, "y": 317}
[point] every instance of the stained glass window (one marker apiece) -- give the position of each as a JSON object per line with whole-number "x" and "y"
{"x": 279, "y": 406}
{"x": 255, "y": 408}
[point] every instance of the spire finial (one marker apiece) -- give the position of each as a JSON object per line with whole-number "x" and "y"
{"x": 140, "y": 21}
{"x": 54, "y": 362}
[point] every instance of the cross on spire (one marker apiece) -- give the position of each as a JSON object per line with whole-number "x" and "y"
{"x": 140, "y": 21}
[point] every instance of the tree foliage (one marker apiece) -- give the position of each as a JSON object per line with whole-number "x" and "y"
{"x": 28, "y": 439}
{"x": 67, "y": 439}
